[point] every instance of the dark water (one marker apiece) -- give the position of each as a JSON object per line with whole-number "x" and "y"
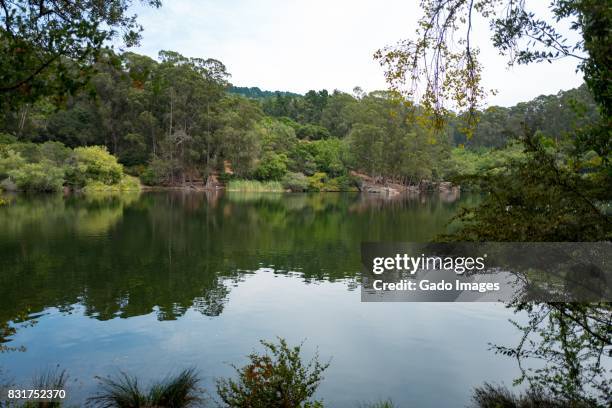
{"x": 154, "y": 283}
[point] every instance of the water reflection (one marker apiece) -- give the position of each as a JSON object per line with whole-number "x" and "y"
{"x": 124, "y": 255}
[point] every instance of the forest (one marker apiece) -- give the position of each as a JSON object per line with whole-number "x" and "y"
{"x": 176, "y": 120}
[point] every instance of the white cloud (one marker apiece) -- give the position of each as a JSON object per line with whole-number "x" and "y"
{"x": 300, "y": 45}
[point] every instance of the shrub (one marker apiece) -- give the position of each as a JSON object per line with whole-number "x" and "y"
{"x": 271, "y": 167}
{"x": 9, "y": 160}
{"x": 29, "y": 151}
{"x": 346, "y": 183}
{"x": 93, "y": 163}
{"x": 149, "y": 177}
{"x": 276, "y": 379}
{"x": 55, "y": 152}
{"x": 157, "y": 172}
{"x": 295, "y": 182}
{"x": 44, "y": 176}
{"x": 316, "y": 182}
{"x": 125, "y": 392}
{"x": 6, "y": 139}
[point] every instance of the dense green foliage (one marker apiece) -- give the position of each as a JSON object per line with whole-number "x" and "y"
{"x": 50, "y": 166}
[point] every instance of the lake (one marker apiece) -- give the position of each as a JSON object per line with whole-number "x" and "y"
{"x": 153, "y": 283}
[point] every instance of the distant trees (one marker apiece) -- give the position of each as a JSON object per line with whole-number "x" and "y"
{"x": 556, "y": 116}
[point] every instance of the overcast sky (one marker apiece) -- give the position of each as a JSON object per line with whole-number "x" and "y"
{"x": 298, "y": 45}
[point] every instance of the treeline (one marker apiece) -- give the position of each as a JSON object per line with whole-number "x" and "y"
{"x": 257, "y": 93}
{"x": 178, "y": 120}
{"x": 554, "y": 115}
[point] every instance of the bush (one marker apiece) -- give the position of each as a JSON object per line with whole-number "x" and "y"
{"x": 276, "y": 379}
{"x": 271, "y": 167}
{"x": 149, "y": 177}
{"x": 9, "y": 160}
{"x": 44, "y": 176}
{"x": 55, "y": 152}
{"x": 29, "y": 151}
{"x": 346, "y": 183}
{"x": 295, "y": 182}
{"x": 93, "y": 164}
{"x": 6, "y": 139}
{"x": 316, "y": 182}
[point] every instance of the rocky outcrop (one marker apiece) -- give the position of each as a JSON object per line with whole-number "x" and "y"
{"x": 376, "y": 185}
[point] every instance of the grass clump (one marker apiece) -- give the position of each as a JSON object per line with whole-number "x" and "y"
{"x": 124, "y": 391}
{"x": 255, "y": 185}
{"x": 496, "y": 396}
{"x": 52, "y": 379}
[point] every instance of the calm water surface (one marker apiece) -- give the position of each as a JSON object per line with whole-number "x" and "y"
{"x": 156, "y": 282}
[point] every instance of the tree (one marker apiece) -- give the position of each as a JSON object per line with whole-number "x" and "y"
{"x": 46, "y": 47}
